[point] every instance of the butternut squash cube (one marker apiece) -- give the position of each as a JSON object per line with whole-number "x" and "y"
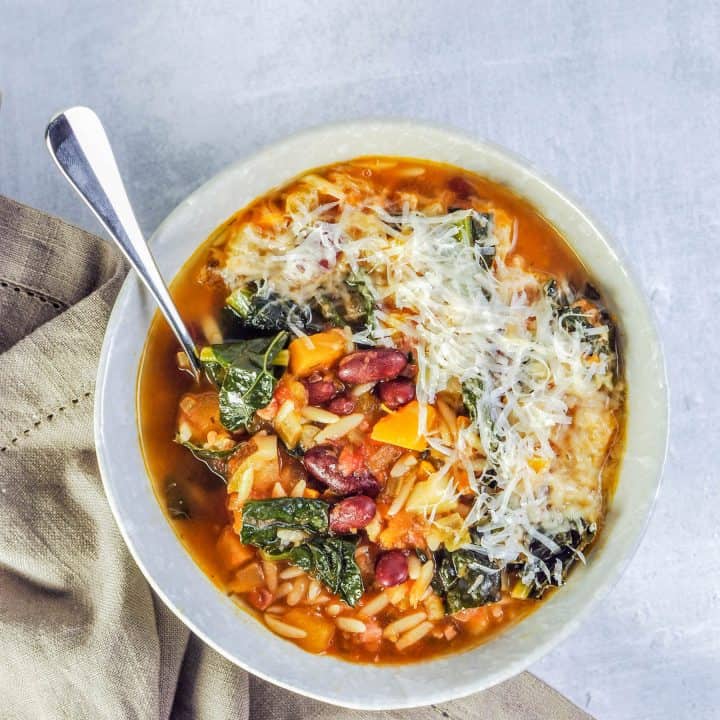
{"x": 319, "y": 630}
{"x": 316, "y": 352}
{"x": 401, "y": 428}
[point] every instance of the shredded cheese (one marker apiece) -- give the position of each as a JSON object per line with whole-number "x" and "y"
{"x": 497, "y": 329}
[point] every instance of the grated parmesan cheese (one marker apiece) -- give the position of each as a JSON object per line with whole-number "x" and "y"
{"x": 498, "y": 329}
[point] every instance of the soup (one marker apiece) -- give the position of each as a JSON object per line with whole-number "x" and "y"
{"x": 410, "y": 419}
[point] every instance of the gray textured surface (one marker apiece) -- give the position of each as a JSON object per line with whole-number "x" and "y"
{"x": 619, "y": 101}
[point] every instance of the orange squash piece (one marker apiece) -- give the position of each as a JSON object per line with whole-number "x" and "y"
{"x": 246, "y": 579}
{"x": 319, "y": 630}
{"x": 401, "y": 427}
{"x": 231, "y": 551}
{"x": 316, "y": 352}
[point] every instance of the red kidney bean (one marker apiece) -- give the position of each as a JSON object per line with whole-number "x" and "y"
{"x": 352, "y": 513}
{"x": 391, "y": 568}
{"x": 342, "y": 405}
{"x": 320, "y": 392}
{"x": 321, "y": 462}
{"x": 361, "y": 482}
{"x": 371, "y": 365}
{"x": 396, "y": 393}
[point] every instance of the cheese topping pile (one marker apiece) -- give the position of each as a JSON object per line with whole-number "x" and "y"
{"x": 540, "y": 390}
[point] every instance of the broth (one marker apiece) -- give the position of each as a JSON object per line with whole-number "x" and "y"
{"x": 175, "y": 473}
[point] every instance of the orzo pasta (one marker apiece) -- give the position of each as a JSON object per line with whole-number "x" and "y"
{"x": 411, "y": 416}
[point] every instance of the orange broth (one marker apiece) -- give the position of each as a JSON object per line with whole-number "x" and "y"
{"x": 161, "y": 386}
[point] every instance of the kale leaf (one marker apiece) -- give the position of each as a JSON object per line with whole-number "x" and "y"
{"x": 216, "y": 460}
{"x": 297, "y": 530}
{"x": 364, "y": 299}
{"x": 480, "y": 415}
{"x": 337, "y": 304}
{"x": 263, "y": 519}
{"x": 465, "y": 578}
{"x": 175, "y": 502}
{"x": 549, "y": 568}
{"x": 268, "y": 312}
{"x": 474, "y": 229}
{"x": 331, "y": 560}
{"x": 243, "y": 370}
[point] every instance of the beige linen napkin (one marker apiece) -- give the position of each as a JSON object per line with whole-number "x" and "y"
{"x": 81, "y": 633}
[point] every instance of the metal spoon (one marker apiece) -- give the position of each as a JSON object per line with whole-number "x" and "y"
{"x": 78, "y": 143}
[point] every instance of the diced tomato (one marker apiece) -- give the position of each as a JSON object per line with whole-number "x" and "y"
{"x": 351, "y": 459}
{"x": 260, "y": 597}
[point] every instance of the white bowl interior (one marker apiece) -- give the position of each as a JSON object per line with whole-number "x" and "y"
{"x": 215, "y": 618}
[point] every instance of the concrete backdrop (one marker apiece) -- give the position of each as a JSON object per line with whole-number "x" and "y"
{"x": 619, "y": 101}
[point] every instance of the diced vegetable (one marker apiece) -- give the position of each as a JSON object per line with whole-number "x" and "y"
{"x": 401, "y": 427}
{"x": 450, "y": 531}
{"x": 437, "y": 491}
{"x": 246, "y": 579}
{"x": 199, "y": 415}
{"x": 320, "y": 631}
{"x": 316, "y": 352}
{"x": 520, "y": 590}
{"x": 231, "y": 551}
{"x": 288, "y": 425}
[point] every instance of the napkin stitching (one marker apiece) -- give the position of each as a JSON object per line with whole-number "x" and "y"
{"x": 57, "y": 304}
{"x": 48, "y": 418}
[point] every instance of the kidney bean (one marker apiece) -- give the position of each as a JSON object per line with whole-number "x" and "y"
{"x": 371, "y": 365}
{"x": 352, "y": 513}
{"x": 391, "y": 568}
{"x": 321, "y": 462}
{"x": 320, "y": 391}
{"x": 396, "y": 393}
{"x": 361, "y": 482}
{"x": 342, "y": 405}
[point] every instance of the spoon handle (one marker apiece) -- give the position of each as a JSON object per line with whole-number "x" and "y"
{"x": 78, "y": 143}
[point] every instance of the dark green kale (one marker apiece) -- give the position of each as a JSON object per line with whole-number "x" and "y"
{"x": 243, "y": 371}
{"x": 297, "y": 530}
{"x": 549, "y": 568}
{"x": 216, "y": 460}
{"x": 268, "y": 312}
{"x": 583, "y": 314}
{"x": 263, "y": 519}
{"x": 364, "y": 299}
{"x": 331, "y": 560}
{"x": 474, "y": 229}
{"x": 465, "y": 578}
{"x": 175, "y": 501}
{"x": 480, "y": 414}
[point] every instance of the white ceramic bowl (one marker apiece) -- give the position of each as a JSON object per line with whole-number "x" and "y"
{"x": 214, "y": 617}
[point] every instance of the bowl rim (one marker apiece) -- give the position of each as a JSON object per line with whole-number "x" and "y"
{"x": 516, "y": 163}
